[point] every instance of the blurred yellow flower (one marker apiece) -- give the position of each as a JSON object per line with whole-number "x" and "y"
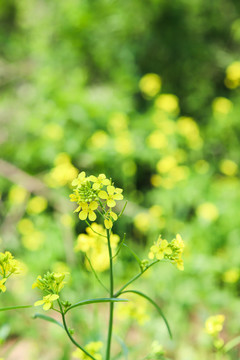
{"x": 111, "y": 195}
{"x": 133, "y": 312}
{"x": 231, "y": 275}
{"x": 67, "y": 220}
{"x": 98, "y": 140}
{"x": 221, "y": 106}
{"x": 92, "y": 348}
{"x": 207, "y": 211}
{"x": 63, "y": 173}
{"x": 53, "y": 131}
{"x": 157, "y": 140}
{"x": 36, "y": 205}
{"x": 228, "y": 167}
{"x": 142, "y": 222}
{"x": 150, "y": 84}
{"x": 232, "y": 79}
{"x": 166, "y": 164}
{"x": 214, "y": 324}
{"x": 118, "y": 123}
{"x": 188, "y": 128}
{"x": 202, "y": 166}
{"x": 123, "y": 144}
{"x": 25, "y": 226}
{"x": 168, "y": 103}
{"x": 33, "y": 241}
{"x": 94, "y": 244}
{"x": 17, "y": 194}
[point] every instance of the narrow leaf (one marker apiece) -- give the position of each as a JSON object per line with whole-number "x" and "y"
{"x": 231, "y": 344}
{"x": 120, "y": 245}
{"x": 93, "y": 301}
{"x": 48, "y": 318}
{"x": 134, "y": 254}
{"x": 123, "y": 346}
{"x": 95, "y": 274}
{"x": 154, "y": 304}
{"x": 15, "y": 307}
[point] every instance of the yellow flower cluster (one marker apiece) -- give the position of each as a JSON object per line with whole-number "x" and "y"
{"x": 214, "y": 324}
{"x": 94, "y": 245}
{"x": 92, "y": 348}
{"x": 52, "y": 284}
{"x": 89, "y": 193}
{"x": 8, "y": 266}
{"x": 172, "y": 251}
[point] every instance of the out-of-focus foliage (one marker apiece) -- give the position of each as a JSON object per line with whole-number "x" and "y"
{"x": 147, "y": 93}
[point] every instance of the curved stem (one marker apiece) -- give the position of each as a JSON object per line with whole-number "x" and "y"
{"x": 110, "y": 324}
{"x": 134, "y": 278}
{"x": 69, "y": 335}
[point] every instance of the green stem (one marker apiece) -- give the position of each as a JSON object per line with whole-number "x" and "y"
{"x": 110, "y": 324}
{"x": 95, "y": 274}
{"x": 69, "y": 335}
{"x": 134, "y": 278}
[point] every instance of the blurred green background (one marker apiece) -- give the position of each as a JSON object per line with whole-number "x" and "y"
{"x": 147, "y": 92}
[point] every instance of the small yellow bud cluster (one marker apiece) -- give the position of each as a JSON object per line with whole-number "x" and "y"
{"x": 52, "y": 284}
{"x": 213, "y": 327}
{"x": 89, "y": 192}
{"x": 172, "y": 251}
{"x": 8, "y": 266}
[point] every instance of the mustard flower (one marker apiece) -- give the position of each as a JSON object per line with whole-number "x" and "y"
{"x": 8, "y": 265}
{"x": 47, "y": 301}
{"x": 110, "y": 217}
{"x": 159, "y": 249}
{"x": 88, "y": 211}
{"x": 92, "y": 348}
{"x": 2, "y": 286}
{"x": 50, "y": 282}
{"x": 111, "y": 195}
{"x": 81, "y": 179}
{"x": 214, "y": 324}
{"x": 99, "y": 181}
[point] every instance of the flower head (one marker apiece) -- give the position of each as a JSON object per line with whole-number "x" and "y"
{"x": 88, "y": 211}
{"x": 172, "y": 251}
{"x": 50, "y": 282}
{"x": 214, "y": 324}
{"x": 99, "y": 181}
{"x": 111, "y": 195}
{"x": 47, "y": 301}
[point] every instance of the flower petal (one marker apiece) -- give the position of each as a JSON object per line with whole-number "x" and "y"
{"x": 91, "y": 215}
{"x": 110, "y": 189}
{"x": 103, "y": 195}
{"x": 83, "y": 215}
{"x": 39, "y": 302}
{"x": 111, "y": 203}
{"x": 108, "y": 223}
{"x": 118, "y": 196}
{"x": 93, "y": 205}
{"x": 47, "y": 306}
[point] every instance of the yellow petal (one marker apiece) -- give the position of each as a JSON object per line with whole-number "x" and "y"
{"x": 47, "y": 306}
{"x": 83, "y": 215}
{"x": 110, "y": 189}
{"x": 103, "y": 195}
{"x": 108, "y": 223}
{"x": 92, "y": 216}
{"x": 39, "y": 302}
{"x": 93, "y": 205}
{"x": 118, "y": 196}
{"x": 111, "y": 203}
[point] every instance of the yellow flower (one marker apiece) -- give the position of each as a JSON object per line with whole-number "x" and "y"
{"x": 87, "y": 211}
{"x": 110, "y": 217}
{"x": 47, "y": 301}
{"x": 2, "y": 286}
{"x": 92, "y": 348}
{"x": 36, "y": 205}
{"x": 159, "y": 249}
{"x": 99, "y": 181}
{"x": 214, "y": 324}
{"x": 111, "y": 195}
{"x": 80, "y": 179}
{"x": 150, "y": 84}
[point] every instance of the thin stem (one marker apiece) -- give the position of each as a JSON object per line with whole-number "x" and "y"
{"x": 120, "y": 245}
{"x": 95, "y": 274}
{"x": 94, "y": 230}
{"x": 110, "y": 324}
{"x": 134, "y": 278}
{"x": 70, "y": 336}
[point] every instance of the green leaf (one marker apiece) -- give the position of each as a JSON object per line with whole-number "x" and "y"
{"x": 123, "y": 346}
{"x": 154, "y": 304}
{"x": 15, "y": 307}
{"x": 48, "y": 318}
{"x": 231, "y": 344}
{"x": 93, "y": 301}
